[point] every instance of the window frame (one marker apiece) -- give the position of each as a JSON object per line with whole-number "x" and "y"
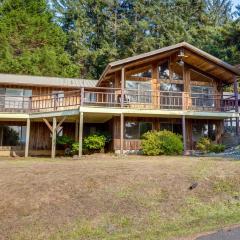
{"x": 138, "y": 134}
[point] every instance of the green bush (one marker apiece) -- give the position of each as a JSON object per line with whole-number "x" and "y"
{"x": 162, "y": 143}
{"x": 217, "y": 148}
{"x": 64, "y": 140}
{"x": 94, "y": 142}
{"x": 91, "y": 143}
{"x": 203, "y": 144}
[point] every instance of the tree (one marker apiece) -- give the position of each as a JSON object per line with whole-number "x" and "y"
{"x": 219, "y": 11}
{"x": 30, "y": 42}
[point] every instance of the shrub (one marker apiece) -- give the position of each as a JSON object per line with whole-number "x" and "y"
{"x": 64, "y": 140}
{"x": 94, "y": 142}
{"x": 162, "y": 142}
{"x": 217, "y": 148}
{"x": 91, "y": 143}
{"x": 203, "y": 144}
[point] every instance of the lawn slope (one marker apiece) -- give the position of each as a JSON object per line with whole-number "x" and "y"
{"x": 108, "y": 197}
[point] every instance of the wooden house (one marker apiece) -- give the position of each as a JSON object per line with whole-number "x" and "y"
{"x": 179, "y": 88}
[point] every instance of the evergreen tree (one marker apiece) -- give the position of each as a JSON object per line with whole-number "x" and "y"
{"x": 30, "y": 42}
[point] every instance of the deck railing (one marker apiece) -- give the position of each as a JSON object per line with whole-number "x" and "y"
{"x": 115, "y": 98}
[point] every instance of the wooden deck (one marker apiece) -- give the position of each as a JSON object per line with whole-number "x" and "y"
{"x": 112, "y": 98}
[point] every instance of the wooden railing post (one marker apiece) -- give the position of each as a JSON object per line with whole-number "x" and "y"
{"x": 30, "y": 104}
{"x": 82, "y": 97}
{"x": 122, "y": 86}
{"x": 183, "y": 101}
{"x": 55, "y": 101}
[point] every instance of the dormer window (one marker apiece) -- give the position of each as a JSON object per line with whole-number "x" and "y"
{"x": 145, "y": 74}
{"x": 163, "y": 71}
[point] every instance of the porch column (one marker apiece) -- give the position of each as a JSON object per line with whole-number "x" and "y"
{"x": 54, "y": 135}
{"x": 80, "y": 134}
{"x": 76, "y": 130}
{"x": 236, "y": 102}
{"x": 219, "y": 130}
{"x": 186, "y": 97}
{"x": 155, "y": 86}
{"x": 121, "y": 133}
{"x": 122, "y": 85}
{"x": 184, "y": 135}
{"x": 27, "y": 137}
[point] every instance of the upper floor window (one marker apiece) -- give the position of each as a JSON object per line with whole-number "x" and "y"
{"x": 145, "y": 74}
{"x": 15, "y": 97}
{"x": 177, "y": 72}
{"x": 171, "y": 87}
{"x": 138, "y": 91}
{"x": 202, "y": 96}
{"x": 163, "y": 71}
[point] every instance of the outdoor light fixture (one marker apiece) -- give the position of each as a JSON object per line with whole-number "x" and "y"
{"x": 180, "y": 62}
{"x": 181, "y": 55}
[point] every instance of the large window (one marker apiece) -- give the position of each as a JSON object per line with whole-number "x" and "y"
{"x": 146, "y": 74}
{"x": 203, "y": 130}
{"x": 138, "y": 91}
{"x": 171, "y": 87}
{"x": 173, "y": 127}
{"x": 202, "y": 96}
{"x": 135, "y": 130}
{"x": 12, "y": 135}
{"x": 15, "y": 98}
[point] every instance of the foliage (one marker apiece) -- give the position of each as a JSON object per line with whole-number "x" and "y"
{"x": 71, "y": 37}
{"x": 75, "y": 147}
{"x": 205, "y": 145}
{"x": 91, "y": 143}
{"x": 94, "y": 142}
{"x": 30, "y": 42}
{"x": 103, "y": 31}
{"x": 162, "y": 142}
{"x": 217, "y": 148}
{"x": 64, "y": 140}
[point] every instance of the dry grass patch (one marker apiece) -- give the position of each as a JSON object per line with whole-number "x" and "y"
{"x": 107, "y": 197}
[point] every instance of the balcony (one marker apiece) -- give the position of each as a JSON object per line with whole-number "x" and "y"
{"x": 115, "y": 98}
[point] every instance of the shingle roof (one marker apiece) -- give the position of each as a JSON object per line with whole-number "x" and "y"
{"x": 46, "y": 81}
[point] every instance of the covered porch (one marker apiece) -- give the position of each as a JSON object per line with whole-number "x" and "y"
{"x": 37, "y": 133}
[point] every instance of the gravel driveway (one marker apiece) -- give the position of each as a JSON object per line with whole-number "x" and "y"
{"x": 229, "y": 234}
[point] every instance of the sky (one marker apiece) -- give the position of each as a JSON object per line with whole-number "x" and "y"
{"x": 236, "y": 2}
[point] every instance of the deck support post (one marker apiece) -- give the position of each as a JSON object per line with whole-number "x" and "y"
{"x": 80, "y": 134}
{"x": 121, "y": 133}
{"x": 76, "y": 131}
{"x": 236, "y": 102}
{"x": 54, "y": 136}
{"x": 27, "y": 137}
{"x": 184, "y": 135}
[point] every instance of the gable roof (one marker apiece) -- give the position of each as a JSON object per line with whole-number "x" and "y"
{"x": 120, "y": 63}
{"x": 28, "y": 80}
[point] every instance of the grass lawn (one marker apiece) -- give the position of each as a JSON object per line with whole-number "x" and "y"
{"x": 108, "y": 197}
